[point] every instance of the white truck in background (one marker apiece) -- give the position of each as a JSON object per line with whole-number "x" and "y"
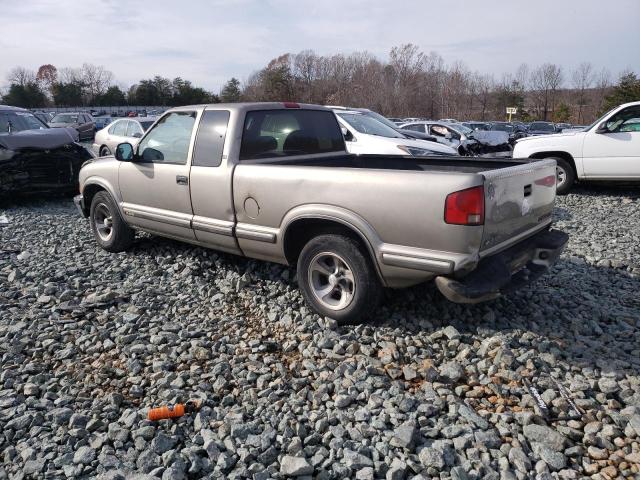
{"x": 608, "y": 149}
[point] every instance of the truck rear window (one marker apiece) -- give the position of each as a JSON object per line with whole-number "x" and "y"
{"x": 283, "y": 133}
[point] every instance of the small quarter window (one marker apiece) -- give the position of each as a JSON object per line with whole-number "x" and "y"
{"x": 210, "y": 138}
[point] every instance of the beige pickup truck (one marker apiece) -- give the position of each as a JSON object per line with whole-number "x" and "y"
{"x": 273, "y": 181}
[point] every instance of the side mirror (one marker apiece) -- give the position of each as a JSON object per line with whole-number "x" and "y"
{"x": 602, "y": 128}
{"x": 124, "y": 152}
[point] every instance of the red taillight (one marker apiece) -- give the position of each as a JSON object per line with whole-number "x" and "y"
{"x": 549, "y": 181}
{"x": 465, "y": 207}
{"x": 291, "y": 105}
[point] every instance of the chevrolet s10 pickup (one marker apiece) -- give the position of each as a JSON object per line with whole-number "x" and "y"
{"x": 273, "y": 181}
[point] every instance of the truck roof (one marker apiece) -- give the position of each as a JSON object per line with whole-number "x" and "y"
{"x": 247, "y": 106}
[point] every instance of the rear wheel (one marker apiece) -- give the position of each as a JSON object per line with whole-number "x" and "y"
{"x": 337, "y": 278}
{"x": 109, "y": 230}
{"x": 104, "y": 151}
{"x": 565, "y": 176}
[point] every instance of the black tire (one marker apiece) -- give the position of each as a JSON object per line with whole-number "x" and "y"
{"x": 356, "y": 274}
{"x": 565, "y": 171}
{"x": 104, "y": 151}
{"x": 109, "y": 229}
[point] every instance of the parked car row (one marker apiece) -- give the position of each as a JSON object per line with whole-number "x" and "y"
{"x": 88, "y": 123}
{"x": 531, "y": 128}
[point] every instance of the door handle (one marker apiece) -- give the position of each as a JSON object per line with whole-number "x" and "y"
{"x": 182, "y": 180}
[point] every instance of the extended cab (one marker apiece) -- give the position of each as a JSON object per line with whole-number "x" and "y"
{"x": 609, "y": 149}
{"x": 273, "y": 181}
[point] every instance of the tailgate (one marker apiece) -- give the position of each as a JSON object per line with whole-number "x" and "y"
{"x": 518, "y": 202}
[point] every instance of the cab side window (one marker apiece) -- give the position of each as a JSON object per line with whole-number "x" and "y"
{"x": 168, "y": 141}
{"x": 627, "y": 120}
{"x": 283, "y": 133}
{"x": 210, "y": 138}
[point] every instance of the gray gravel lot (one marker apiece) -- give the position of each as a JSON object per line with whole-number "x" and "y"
{"x": 427, "y": 389}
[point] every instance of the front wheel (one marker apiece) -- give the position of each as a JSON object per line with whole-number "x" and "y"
{"x": 565, "y": 176}
{"x": 109, "y": 229}
{"x": 337, "y": 279}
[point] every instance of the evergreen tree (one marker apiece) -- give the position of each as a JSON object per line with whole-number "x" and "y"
{"x": 29, "y": 95}
{"x": 627, "y": 90}
{"x": 113, "y": 96}
{"x": 231, "y": 91}
{"x": 562, "y": 114}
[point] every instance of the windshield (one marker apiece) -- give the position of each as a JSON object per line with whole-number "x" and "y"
{"x": 19, "y": 121}
{"x": 600, "y": 120}
{"x": 380, "y": 118}
{"x": 502, "y": 127}
{"x": 369, "y": 125}
{"x": 542, "y": 126}
{"x": 458, "y": 127}
{"x": 65, "y": 118}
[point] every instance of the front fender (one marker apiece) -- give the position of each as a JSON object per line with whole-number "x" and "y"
{"x": 102, "y": 184}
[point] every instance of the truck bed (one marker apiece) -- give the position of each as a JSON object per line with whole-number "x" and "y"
{"x": 390, "y": 162}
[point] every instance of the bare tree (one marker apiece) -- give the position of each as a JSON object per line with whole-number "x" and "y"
{"x": 70, "y": 75}
{"x": 96, "y": 79}
{"x": 522, "y": 76}
{"x": 582, "y": 78}
{"x": 603, "y": 84}
{"x": 21, "y": 76}
{"x": 545, "y": 81}
{"x": 485, "y": 85}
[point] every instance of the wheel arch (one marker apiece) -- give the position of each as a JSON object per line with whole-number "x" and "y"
{"x": 557, "y": 153}
{"x": 301, "y": 228}
{"x": 92, "y": 187}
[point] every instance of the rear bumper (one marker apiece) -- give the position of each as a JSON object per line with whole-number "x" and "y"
{"x": 506, "y": 271}
{"x": 78, "y": 200}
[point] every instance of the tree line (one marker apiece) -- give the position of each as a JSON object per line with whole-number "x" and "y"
{"x": 92, "y": 85}
{"x": 409, "y": 83}
{"x": 412, "y": 83}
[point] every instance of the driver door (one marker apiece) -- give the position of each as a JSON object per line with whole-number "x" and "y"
{"x": 155, "y": 185}
{"x": 614, "y": 154}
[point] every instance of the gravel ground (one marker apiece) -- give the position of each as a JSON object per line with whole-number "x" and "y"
{"x": 426, "y": 389}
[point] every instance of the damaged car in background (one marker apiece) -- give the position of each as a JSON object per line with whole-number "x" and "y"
{"x": 35, "y": 158}
{"x": 468, "y": 142}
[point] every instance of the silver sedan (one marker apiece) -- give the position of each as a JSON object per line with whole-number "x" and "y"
{"x": 124, "y": 130}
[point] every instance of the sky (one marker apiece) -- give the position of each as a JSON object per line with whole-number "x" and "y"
{"x": 209, "y": 41}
